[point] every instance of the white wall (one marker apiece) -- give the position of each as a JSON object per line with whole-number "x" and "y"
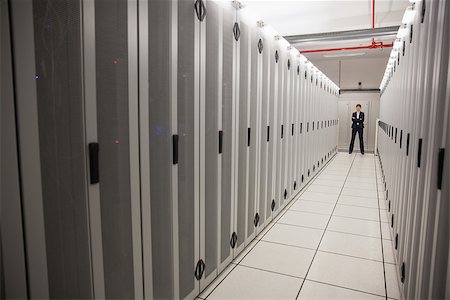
{"x": 368, "y": 71}
{"x": 370, "y": 103}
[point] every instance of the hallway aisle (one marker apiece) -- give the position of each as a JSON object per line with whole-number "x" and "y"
{"x": 332, "y": 242}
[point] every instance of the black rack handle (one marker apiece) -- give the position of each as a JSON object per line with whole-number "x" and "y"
{"x": 175, "y": 149}
{"x": 94, "y": 163}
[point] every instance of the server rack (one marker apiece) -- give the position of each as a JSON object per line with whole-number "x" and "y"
{"x": 412, "y": 149}
{"x": 177, "y": 132}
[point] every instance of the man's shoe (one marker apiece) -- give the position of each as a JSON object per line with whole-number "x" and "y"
{"x": 362, "y": 153}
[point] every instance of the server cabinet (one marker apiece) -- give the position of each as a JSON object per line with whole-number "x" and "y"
{"x": 80, "y": 198}
{"x": 243, "y": 134}
{"x": 253, "y": 109}
{"x": 12, "y": 250}
{"x": 211, "y": 133}
{"x": 412, "y": 144}
{"x": 171, "y": 120}
{"x": 273, "y": 128}
{"x": 231, "y": 40}
{"x": 264, "y": 131}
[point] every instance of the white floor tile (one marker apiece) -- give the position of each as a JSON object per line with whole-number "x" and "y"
{"x": 359, "y": 212}
{"x": 324, "y": 189}
{"x": 358, "y": 201}
{"x": 355, "y": 273}
{"x": 321, "y": 197}
{"x": 392, "y": 281}
{"x": 278, "y": 258}
{"x": 353, "y": 245}
{"x": 216, "y": 281}
{"x": 339, "y": 178}
{"x": 248, "y": 283}
{"x": 359, "y": 179}
{"x": 328, "y": 182}
{"x": 359, "y": 193}
{"x": 355, "y": 226}
{"x": 304, "y": 219}
{"x": 294, "y": 236}
{"x": 264, "y": 231}
{"x": 244, "y": 252}
{"x": 312, "y": 290}
{"x": 313, "y": 207}
{"x": 361, "y": 185}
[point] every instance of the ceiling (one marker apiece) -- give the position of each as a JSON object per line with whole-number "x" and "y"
{"x": 301, "y": 17}
{"x": 294, "y": 17}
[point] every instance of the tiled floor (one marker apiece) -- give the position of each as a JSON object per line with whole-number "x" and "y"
{"x": 333, "y": 242}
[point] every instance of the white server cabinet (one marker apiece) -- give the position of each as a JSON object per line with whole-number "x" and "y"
{"x": 265, "y": 164}
{"x": 159, "y": 138}
{"x": 77, "y": 114}
{"x": 412, "y": 151}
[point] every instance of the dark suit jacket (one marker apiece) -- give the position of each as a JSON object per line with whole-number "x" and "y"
{"x": 358, "y": 123}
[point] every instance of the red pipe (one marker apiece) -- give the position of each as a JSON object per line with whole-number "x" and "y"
{"x": 374, "y": 45}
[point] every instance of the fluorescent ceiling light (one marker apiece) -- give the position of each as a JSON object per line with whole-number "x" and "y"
{"x": 344, "y": 55}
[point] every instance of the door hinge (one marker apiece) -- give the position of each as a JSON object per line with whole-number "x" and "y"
{"x": 392, "y": 221}
{"x": 401, "y": 138}
{"x": 256, "y": 220}
{"x": 292, "y": 129}
{"x": 236, "y": 31}
{"x": 233, "y": 240}
{"x": 282, "y": 131}
{"x": 440, "y": 168}
{"x": 285, "y": 193}
{"x": 260, "y": 46}
{"x": 268, "y": 133}
{"x": 276, "y": 56}
{"x": 295, "y": 185}
{"x": 423, "y": 11}
{"x": 272, "y": 206}
{"x": 303, "y": 177}
{"x": 199, "y": 269}
{"x": 248, "y": 136}
{"x": 200, "y": 9}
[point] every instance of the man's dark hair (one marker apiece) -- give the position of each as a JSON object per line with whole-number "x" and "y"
{"x": 358, "y": 105}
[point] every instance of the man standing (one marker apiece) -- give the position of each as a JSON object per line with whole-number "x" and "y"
{"x": 357, "y": 127}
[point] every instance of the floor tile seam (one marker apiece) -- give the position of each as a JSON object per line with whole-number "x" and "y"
{"x": 347, "y": 288}
{"x": 329, "y": 219}
{"x": 381, "y": 233}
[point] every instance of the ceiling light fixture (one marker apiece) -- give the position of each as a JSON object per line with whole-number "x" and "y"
{"x": 344, "y": 55}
